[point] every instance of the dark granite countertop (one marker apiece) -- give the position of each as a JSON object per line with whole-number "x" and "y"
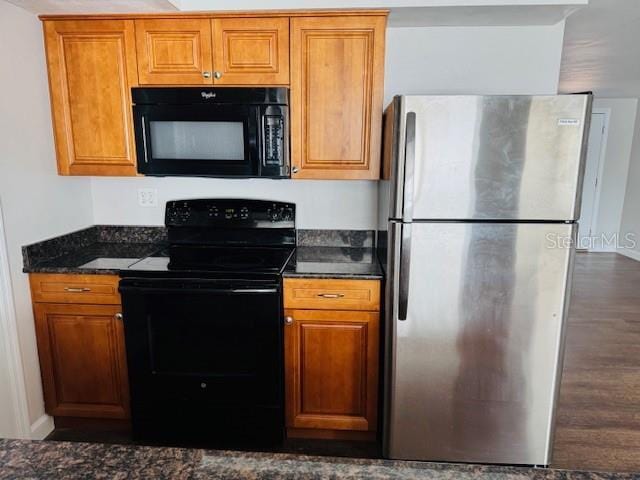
{"x": 100, "y": 249}
{"x": 97, "y": 258}
{"x": 27, "y": 459}
{"x": 334, "y": 262}
{"x": 106, "y": 249}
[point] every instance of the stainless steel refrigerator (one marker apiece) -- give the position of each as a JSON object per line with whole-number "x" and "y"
{"x": 478, "y": 213}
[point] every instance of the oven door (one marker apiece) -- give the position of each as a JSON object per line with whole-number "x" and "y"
{"x": 198, "y": 140}
{"x": 205, "y": 358}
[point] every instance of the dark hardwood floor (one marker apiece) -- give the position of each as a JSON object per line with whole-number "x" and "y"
{"x": 598, "y": 422}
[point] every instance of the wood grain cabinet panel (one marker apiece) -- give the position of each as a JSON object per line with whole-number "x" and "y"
{"x": 336, "y": 96}
{"x": 331, "y": 369}
{"x": 174, "y": 52}
{"x": 92, "y": 67}
{"x": 82, "y": 360}
{"x": 251, "y": 51}
{"x": 332, "y": 294}
{"x": 74, "y": 288}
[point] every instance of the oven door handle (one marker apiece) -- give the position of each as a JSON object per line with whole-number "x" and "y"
{"x": 223, "y": 291}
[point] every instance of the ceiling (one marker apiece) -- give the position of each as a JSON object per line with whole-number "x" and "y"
{"x": 600, "y": 46}
{"x": 404, "y": 13}
{"x": 95, "y": 6}
{"x": 602, "y": 49}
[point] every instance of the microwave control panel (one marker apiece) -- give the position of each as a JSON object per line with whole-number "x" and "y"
{"x": 273, "y": 140}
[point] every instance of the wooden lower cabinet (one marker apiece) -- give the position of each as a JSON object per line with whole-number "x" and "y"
{"x": 331, "y": 373}
{"x": 82, "y": 360}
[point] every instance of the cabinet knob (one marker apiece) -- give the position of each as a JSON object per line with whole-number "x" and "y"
{"x": 118, "y": 316}
{"x": 207, "y": 74}
{"x": 217, "y": 75}
{"x": 288, "y": 320}
{"x": 294, "y": 169}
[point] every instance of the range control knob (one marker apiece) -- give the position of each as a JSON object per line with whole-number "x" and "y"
{"x": 213, "y": 212}
{"x": 287, "y": 214}
{"x": 180, "y": 214}
{"x": 274, "y": 214}
{"x": 244, "y": 213}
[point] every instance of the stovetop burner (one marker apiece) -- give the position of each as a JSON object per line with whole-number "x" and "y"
{"x": 248, "y": 237}
{"x": 238, "y": 259}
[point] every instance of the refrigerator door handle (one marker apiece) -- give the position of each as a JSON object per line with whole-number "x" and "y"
{"x": 410, "y": 159}
{"x": 405, "y": 264}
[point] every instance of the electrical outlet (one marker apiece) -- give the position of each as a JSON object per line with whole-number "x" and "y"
{"x": 147, "y": 197}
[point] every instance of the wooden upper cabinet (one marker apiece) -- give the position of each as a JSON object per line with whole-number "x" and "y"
{"x": 251, "y": 51}
{"x": 92, "y": 67}
{"x": 174, "y": 51}
{"x": 336, "y": 96}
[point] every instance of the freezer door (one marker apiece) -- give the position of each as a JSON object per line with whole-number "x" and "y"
{"x": 473, "y": 369}
{"x": 489, "y": 157}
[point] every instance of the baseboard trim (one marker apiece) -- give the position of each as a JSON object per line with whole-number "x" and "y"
{"x": 42, "y": 427}
{"x": 327, "y": 434}
{"x": 627, "y": 252}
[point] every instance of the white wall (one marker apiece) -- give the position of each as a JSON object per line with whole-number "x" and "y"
{"x": 473, "y": 60}
{"x": 418, "y": 60}
{"x": 631, "y": 211}
{"x": 614, "y": 165}
{"x": 36, "y": 202}
{"x": 320, "y": 204}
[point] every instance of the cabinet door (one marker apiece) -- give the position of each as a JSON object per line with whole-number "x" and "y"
{"x": 92, "y": 67}
{"x": 174, "y": 51}
{"x": 251, "y": 51}
{"x": 336, "y": 96}
{"x": 331, "y": 370}
{"x": 82, "y": 360}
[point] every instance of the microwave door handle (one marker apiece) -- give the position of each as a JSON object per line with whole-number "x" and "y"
{"x": 144, "y": 139}
{"x": 263, "y": 140}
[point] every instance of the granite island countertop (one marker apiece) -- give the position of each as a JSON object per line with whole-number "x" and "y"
{"x": 29, "y": 459}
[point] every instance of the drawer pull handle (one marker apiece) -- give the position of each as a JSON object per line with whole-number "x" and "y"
{"x": 77, "y": 290}
{"x": 331, "y": 295}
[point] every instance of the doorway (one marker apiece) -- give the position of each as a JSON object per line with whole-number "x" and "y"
{"x": 590, "y": 186}
{"x": 14, "y": 418}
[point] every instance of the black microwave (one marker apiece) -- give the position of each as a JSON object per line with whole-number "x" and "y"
{"x": 212, "y": 132}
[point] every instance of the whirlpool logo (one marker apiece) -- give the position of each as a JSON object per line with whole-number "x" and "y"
{"x": 207, "y": 95}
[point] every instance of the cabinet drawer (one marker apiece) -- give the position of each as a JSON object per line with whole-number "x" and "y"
{"x": 74, "y": 288}
{"x": 333, "y": 294}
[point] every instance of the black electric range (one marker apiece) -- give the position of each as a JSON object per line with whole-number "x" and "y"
{"x": 203, "y": 324}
